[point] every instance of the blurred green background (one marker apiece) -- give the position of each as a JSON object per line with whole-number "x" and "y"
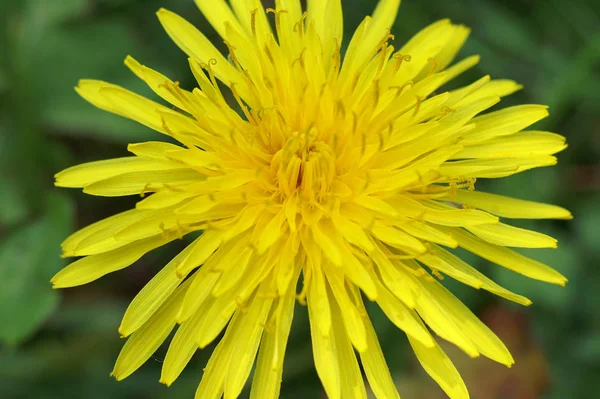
{"x": 62, "y": 344}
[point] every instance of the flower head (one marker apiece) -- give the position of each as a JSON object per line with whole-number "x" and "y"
{"x": 318, "y": 179}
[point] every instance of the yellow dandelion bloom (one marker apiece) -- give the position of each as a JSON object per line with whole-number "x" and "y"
{"x": 321, "y": 179}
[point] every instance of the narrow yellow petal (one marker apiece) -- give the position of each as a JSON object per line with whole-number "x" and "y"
{"x": 93, "y": 267}
{"x": 397, "y": 238}
{"x": 520, "y": 145}
{"x": 163, "y": 199}
{"x": 326, "y": 361}
{"x": 192, "y": 42}
{"x": 218, "y": 316}
{"x": 269, "y": 365}
{"x": 203, "y": 282}
{"x": 353, "y": 322}
{"x": 155, "y": 80}
{"x": 494, "y": 168}
{"x": 426, "y": 232}
{"x": 508, "y": 207}
{"x": 329, "y": 23}
{"x": 440, "y": 368}
{"x": 352, "y": 232}
{"x": 208, "y": 243}
{"x": 328, "y": 247}
{"x": 145, "y": 341}
{"x": 458, "y": 37}
{"x": 351, "y": 381}
{"x": 450, "y": 217}
{"x": 377, "y": 205}
{"x": 218, "y": 13}
{"x": 507, "y": 258}
{"x": 180, "y": 352}
{"x": 287, "y": 262}
{"x": 404, "y": 318}
{"x": 505, "y": 122}
{"x": 394, "y": 278}
{"x": 510, "y": 236}
{"x": 152, "y": 296}
{"x": 373, "y": 361}
{"x": 247, "y": 344}
{"x": 136, "y": 183}
{"x": 485, "y": 88}
{"x": 91, "y": 172}
{"x": 317, "y": 294}
{"x": 486, "y": 342}
{"x": 487, "y": 284}
{"x": 384, "y": 17}
{"x": 152, "y": 149}
{"x": 440, "y": 320}
{"x": 435, "y": 263}
{"x": 212, "y": 383}
{"x": 98, "y": 237}
{"x": 123, "y": 102}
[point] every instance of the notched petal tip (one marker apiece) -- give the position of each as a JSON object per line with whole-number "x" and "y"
{"x": 168, "y": 383}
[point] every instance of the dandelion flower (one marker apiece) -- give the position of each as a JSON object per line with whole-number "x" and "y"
{"x": 313, "y": 178}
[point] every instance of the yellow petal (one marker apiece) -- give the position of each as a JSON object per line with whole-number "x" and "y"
{"x": 494, "y": 168}
{"x": 440, "y": 320}
{"x": 383, "y": 19}
{"x": 508, "y": 207}
{"x": 404, "y": 318}
{"x": 352, "y": 232}
{"x": 215, "y": 372}
{"x": 505, "y": 122}
{"x": 136, "y": 183}
{"x": 351, "y": 381}
{"x": 196, "y": 45}
{"x": 218, "y": 13}
{"x": 394, "y": 278}
{"x": 397, "y": 238}
{"x": 449, "y": 217}
{"x": 376, "y": 204}
{"x": 98, "y": 237}
{"x": 180, "y": 352}
{"x": 91, "y": 172}
{"x": 486, "y": 342}
{"x": 328, "y": 247}
{"x": 436, "y": 263}
{"x": 208, "y": 243}
{"x": 269, "y": 365}
{"x": 458, "y": 37}
{"x": 426, "y": 232}
{"x": 329, "y": 23}
{"x": 326, "y": 361}
{"x": 145, "y": 341}
{"x": 352, "y": 321}
{"x": 317, "y": 294}
{"x": 249, "y": 336}
{"x": 123, "y": 102}
{"x": 153, "y": 295}
{"x": 507, "y": 258}
{"x": 487, "y": 284}
{"x": 524, "y": 144}
{"x": 373, "y": 361}
{"x": 510, "y": 236}
{"x": 155, "y": 80}
{"x": 93, "y": 267}
{"x": 437, "y": 364}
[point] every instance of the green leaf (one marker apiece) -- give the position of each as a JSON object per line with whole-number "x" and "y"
{"x": 28, "y": 259}
{"x": 12, "y": 206}
{"x": 92, "y": 51}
